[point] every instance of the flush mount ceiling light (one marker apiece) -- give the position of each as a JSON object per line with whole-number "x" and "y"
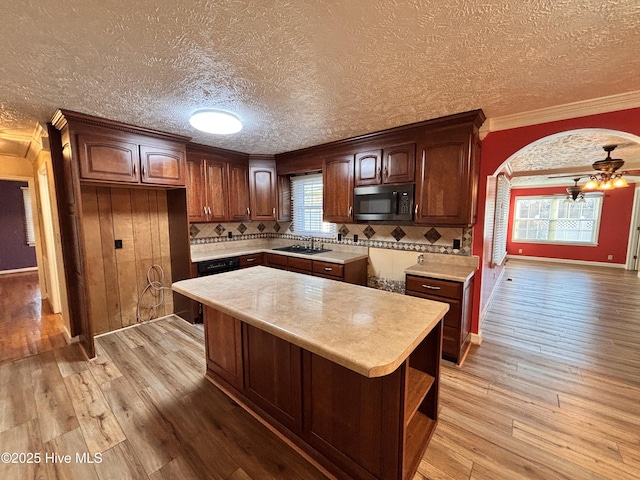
{"x": 215, "y": 121}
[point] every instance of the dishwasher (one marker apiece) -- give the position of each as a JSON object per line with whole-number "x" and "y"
{"x": 212, "y": 267}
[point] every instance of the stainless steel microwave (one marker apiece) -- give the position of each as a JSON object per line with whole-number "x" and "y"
{"x": 392, "y": 203}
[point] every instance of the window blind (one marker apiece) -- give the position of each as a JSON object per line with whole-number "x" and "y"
{"x": 306, "y": 200}
{"x": 28, "y": 217}
{"x": 501, "y": 220}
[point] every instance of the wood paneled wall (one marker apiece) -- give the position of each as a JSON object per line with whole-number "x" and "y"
{"x": 117, "y": 277}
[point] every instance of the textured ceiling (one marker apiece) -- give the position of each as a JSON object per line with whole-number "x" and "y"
{"x": 300, "y": 73}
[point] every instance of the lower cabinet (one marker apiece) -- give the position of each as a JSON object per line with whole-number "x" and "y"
{"x": 272, "y": 376}
{"x": 251, "y": 260}
{"x": 356, "y": 427}
{"x": 352, "y": 272}
{"x": 223, "y": 334}
{"x": 457, "y": 321}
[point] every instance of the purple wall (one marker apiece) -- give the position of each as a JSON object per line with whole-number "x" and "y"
{"x": 14, "y": 251}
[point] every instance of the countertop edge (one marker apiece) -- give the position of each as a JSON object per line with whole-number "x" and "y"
{"x": 365, "y": 370}
{"x": 253, "y": 251}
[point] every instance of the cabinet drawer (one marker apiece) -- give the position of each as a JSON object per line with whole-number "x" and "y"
{"x": 274, "y": 260}
{"x": 441, "y": 288}
{"x": 326, "y": 268}
{"x": 251, "y": 260}
{"x": 299, "y": 264}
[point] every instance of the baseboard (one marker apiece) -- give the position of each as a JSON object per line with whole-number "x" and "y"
{"x": 19, "y": 270}
{"x": 476, "y": 338}
{"x": 566, "y": 260}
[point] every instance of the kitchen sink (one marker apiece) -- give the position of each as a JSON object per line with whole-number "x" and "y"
{"x": 302, "y": 249}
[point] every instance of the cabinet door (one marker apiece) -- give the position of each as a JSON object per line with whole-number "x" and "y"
{"x": 368, "y": 168}
{"x": 273, "y": 376}
{"x": 162, "y": 166}
{"x": 262, "y": 192}
{"x": 216, "y": 190}
{"x": 337, "y": 186}
{"x": 399, "y": 164}
{"x": 284, "y": 198}
{"x": 444, "y": 186}
{"x": 196, "y": 207}
{"x": 223, "y": 344}
{"x": 238, "y": 192}
{"x": 108, "y": 159}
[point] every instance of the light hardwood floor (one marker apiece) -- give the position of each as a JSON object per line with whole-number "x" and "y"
{"x": 553, "y": 392}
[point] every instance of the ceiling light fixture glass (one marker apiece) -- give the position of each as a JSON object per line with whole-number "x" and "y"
{"x": 607, "y": 177}
{"x": 215, "y": 121}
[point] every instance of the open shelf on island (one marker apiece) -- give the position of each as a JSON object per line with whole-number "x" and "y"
{"x": 418, "y": 385}
{"x": 418, "y": 433}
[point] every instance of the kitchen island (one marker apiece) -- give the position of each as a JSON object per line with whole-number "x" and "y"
{"x": 347, "y": 373}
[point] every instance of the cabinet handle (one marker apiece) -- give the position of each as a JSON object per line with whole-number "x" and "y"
{"x": 143, "y": 170}
{"x": 350, "y": 211}
{"x": 135, "y": 170}
{"x": 274, "y": 211}
{"x": 430, "y": 287}
{"x": 209, "y": 208}
{"x": 248, "y": 211}
{"x": 416, "y": 210}
{"x": 378, "y": 174}
{"x": 328, "y": 269}
{"x": 386, "y": 172}
{"x": 205, "y": 210}
{"x": 249, "y": 260}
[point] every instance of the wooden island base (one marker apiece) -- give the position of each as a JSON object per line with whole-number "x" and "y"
{"x": 352, "y": 425}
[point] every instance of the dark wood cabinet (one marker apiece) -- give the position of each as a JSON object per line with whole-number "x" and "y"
{"x": 223, "y": 346}
{"x": 272, "y": 369}
{"x": 90, "y": 153}
{"x": 395, "y": 164}
{"x": 251, "y": 260}
{"x": 357, "y": 427}
{"x": 448, "y": 169}
{"x": 352, "y": 272}
{"x": 123, "y": 159}
{"x": 263, "y": 189}
{"x": 284, "y": 198}
{"x": 207, "y": 196}
{"x": 217, "y": 185}
{"x": 457, "y": 321}
{"x": 337, "y": 189}
{"x": 239, "y": 193}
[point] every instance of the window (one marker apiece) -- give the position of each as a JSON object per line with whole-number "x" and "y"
{"x": 28, "y": 217}
{"x": 553, "y": 220}
{"x": 306, "y": 202}
{"x": 501, "y": 220}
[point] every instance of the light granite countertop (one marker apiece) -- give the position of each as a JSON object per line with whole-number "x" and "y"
{"x": 338, "y": 253}
{"x": 365, "y": 330}
{"x": 445, "y": 267}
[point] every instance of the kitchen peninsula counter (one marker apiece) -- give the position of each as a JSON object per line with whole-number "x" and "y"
{"x": 347, "y": 373}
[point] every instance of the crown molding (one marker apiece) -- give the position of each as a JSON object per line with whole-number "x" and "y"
{"x": 583, "y": 108}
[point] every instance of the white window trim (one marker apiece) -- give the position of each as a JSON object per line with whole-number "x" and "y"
{"x": 557, "y": 242}
{"x": 296, "y": 198}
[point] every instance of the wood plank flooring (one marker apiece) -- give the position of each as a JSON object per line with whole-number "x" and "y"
{"x": 554, "y": 389}
{"x": 553, "y": 392}
{"x": 27, "y": 326}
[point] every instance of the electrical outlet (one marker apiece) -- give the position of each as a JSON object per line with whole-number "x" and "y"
{"x": 230, "y": 234}
{"x": 118, "y": 244}
{"x": 355, "y": 239}
{"x": 456, "y": 243}
{"x": 610, "y": 257}
{"x": 519, "y": 250}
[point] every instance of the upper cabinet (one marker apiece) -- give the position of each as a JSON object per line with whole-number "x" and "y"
{"x": 125, "y": 158}
{"x": 337, "y": 188}
{"x": 395, "y": 164}
{"x": 448, "y": 171}
{"x": 217, "y": 185}
{"x": 263, "y": 189}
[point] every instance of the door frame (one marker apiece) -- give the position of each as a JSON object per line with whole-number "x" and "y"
{"x": 633, "y": 248}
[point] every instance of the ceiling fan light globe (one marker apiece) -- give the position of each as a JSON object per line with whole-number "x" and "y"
{"x": 607, "y": 185}
{"x": 590, "y": 185}
{"x": 620, "y": 183}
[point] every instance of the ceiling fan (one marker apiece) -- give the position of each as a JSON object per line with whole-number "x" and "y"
{"x": 606, "y": 174}
{"x": 576, "y": 192}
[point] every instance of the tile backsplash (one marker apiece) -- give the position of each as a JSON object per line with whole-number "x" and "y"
{"x": 397, "y": 237}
